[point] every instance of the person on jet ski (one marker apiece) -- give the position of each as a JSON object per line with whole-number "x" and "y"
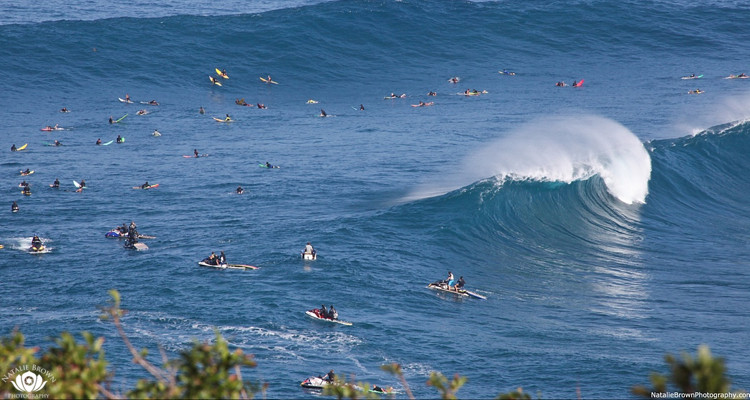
{"x": 329, "y": 376}
{"x": 323, "y": 311}
{"x": 222, "y": 258}
{"x": 36, "y": 242}
{"x": 332, "y": 313}
{"x": 451, "y": 280}
{"x": 460, "y": 284}
{"x": 309, "y": 249}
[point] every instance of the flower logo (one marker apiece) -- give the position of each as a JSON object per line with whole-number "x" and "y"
{"x": 29, "y": 382}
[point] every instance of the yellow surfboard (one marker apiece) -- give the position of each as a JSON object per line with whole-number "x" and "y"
{"x": 221, "y": 74}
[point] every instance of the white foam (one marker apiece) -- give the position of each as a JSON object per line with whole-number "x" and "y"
{"x": 559, "y": 149}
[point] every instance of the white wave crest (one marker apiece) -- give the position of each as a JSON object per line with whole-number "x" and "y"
{"x": 561, "y": 149}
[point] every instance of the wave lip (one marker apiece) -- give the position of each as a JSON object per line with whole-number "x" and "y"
{"x": 566, "y": 149}
{"x": 559, "y": 149}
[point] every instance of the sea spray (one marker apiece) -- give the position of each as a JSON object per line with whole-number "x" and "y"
{"x": 559, "y": 149}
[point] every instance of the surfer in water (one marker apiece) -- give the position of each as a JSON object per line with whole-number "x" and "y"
{"x": 14, "y": 207}
{"x": 13, "y": 147}
{"x": 201, "y": 110}
{"x": 195, "y": 151}
{"x": 56, "y": 183}
{"x": 98, "y": 141}
{"x": 323, "y": 113}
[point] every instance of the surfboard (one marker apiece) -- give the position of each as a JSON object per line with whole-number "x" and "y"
{"x": 125, "y": 101}
{"x": 214, "y": 80}
{"x": 693, "y": 77}
{"x": 140, "y": 246}
{"x": 222, "y": 120}
{"x": 226, "y": 266}
{"x": 579, "y": 83}
{"x": 423, "y": 105}
{"x": 121, "y": 118}
{"x": 193, "y": 156}
{"x": 22, "y": 147}
{"x": 78, "y": 185}
{"x": 25, "y": 174}
{"x": 268, "y": 81}
{"x": 221, "y": 74}
{"x": 147, "y": 187}
{"x": 108, "y": 143}
{"x": 265, "y": 166}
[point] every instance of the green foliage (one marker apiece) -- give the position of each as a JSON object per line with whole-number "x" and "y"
{"x": 78, "y": 368}
{"x": 703, "y": 374}
{"x": 13, "y": 355}
{"x": 343, "y": 389}
{"x": 518, "y": 394}
{"x": 446, "y": 388}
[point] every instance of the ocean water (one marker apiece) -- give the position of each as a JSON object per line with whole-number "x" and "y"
{"x": 607, "y": 224}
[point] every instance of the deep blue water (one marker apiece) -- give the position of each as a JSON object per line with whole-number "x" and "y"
{"x": 607, "y": 225}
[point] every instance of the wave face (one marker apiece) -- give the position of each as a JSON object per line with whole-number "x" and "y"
{"x": 605, "y": 224}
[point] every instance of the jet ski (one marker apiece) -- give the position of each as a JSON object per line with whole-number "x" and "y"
{"x": 443, "y": 287}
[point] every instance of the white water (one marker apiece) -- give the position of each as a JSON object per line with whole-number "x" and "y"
{"x": 559, "y": 149}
